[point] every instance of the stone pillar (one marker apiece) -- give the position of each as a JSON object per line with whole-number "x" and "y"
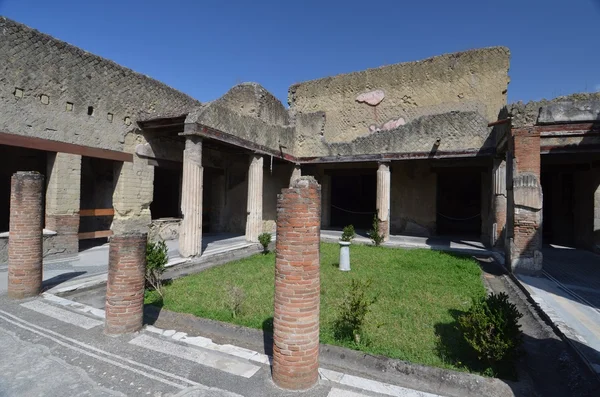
{"x": 383, "y": 199}
{"x": 499, "y": 203}
{"x": 254, "y": 223}
{"x": 596, "y": 231}
{"x": 296, "y": 173}
{"x": 190, "y": 232}
{"x": 25, "y": 241}
{"x": 63, "y": 193}
{"x": 126, "y": 282}
{"x": 524, "y": 251}
{"x": 297, "y": 286}
{"x": 326, "y": 201}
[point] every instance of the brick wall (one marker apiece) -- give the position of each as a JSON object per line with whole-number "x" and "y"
{"x": 297, "y": 286}
{"x": 25, "y": 241}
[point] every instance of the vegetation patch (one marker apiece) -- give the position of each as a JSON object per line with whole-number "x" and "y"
{"x": 401, "y": 303}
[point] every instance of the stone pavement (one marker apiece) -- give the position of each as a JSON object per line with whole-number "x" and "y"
{"x": 52, "y": 348}
{"x": 569, "y": 293}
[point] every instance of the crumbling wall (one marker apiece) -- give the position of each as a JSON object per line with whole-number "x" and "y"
{"x": 53, "y": 90}
{"x": 413, "y": 201}
{"x": 251, "y": 113}
{"x": 364, "y": 104}
{"x": 273, "y": 182}
{"x": 570, "y": 108}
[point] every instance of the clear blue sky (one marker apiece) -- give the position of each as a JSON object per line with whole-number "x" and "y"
{"x": 203, "y": 47}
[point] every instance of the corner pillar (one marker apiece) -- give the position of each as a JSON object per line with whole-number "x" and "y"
{"x": 190, "y": 233}
{"x": 326, "y": 200}
{"x": 524, "y": 251}
{"x": 296, "y": 174}
{"x": 596, "y": 231}
{"x": 254, "y": 224}
{"x": 499, "y": 203}
{"x": 383, "y": 199}
{"x": 63, "y": 200}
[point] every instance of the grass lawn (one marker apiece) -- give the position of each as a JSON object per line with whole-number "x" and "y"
{"x": 419, "y": 292}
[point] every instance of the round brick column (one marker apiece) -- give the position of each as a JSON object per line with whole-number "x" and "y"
{"x": 297, "y": 286}
{"x": 125, "y": 286}
{"x": 25, "y": 241}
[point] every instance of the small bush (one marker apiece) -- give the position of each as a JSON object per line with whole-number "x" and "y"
{"x": 348, "y": 233}
{"x": 491, "y": 327}
{"x": 235, "y": 299}
{"x": 375, "y": 234}
{"x": 157, "y": 256}
{"x": 265, "y": 239}
{"x": 352, "y": 311}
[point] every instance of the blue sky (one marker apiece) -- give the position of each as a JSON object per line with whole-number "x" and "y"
{"x": 203, "y": 47}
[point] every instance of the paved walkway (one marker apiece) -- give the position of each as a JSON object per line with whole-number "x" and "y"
{"x": 94, "y": 261}
{"x": 54, "y": 347}
{"x": 569, "y": 293}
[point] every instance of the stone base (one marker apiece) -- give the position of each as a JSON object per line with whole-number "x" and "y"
{"x": 164, "y": 229}
{"x": 531, "y": 266}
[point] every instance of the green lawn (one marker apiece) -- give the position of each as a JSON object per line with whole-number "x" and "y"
{"x": 419, "y": 293}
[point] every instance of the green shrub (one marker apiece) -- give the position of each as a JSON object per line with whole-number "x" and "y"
{"x": 157, "y": 256}
{"x": 491, "y": 327}
{"x": 348, "y": 233}
{"x": 375, "y": 234}
{"x": 352, "y": 311}
{"x": 265, "y": 239}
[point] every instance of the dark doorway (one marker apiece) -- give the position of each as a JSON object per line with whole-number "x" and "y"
{"x": 459, "y": 203}
{"x": 167, "y": 191}
{"x": 16, "y": 159}
{"x": 558, "y": 213}
{"x": 353, "y": 199}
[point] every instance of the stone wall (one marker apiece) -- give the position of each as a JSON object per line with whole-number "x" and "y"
{"x": 53, "y": 90}
{"x": 274, "y": 181}
{"x": 413, "y": 201}
{"x": 468, "y": 88}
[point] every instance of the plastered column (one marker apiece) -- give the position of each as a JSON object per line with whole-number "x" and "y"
{"x": 25, "y": 235}
{"x": 499, "y": 203}
{"x": 254, "y": 223}
{"x": 126, "y": 282}
{"x": 326, "y": 200}
{"x": 63, "y": 195}
{"x": 297, "y": 286}
{"x": 383, "y": 199}
{"x": 525, "y": 243}
{"x": 190, "y": 233}
{"x": 296, "y": 173}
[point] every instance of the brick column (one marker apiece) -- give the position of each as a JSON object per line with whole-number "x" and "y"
{"x": 63, "y": 194}
{"x": 524, "y": 251}
{"x": 383, "y": 199}
{"x": 297, "y": 286}
{"x": 296, "y": 173}
{"x": 25, "y": 241}
{"x": 190, "y": 232}
{"x": 125, "y": 285}
{"x": 499, "y": 203}
{"x": 254, "y": 222}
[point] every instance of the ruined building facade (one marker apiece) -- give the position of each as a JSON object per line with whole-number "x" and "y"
{"x": 430, "y": 147}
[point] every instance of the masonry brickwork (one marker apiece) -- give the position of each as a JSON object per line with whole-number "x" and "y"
{"x": 297, "y": 286}
{"x": 54, "y": 90}
{"x": 25, "y": 241}
{"x": 63, "y": 193}
{"x": 125, "y": 285}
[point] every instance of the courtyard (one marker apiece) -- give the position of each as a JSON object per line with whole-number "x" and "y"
{"x": 417, "y": 291}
